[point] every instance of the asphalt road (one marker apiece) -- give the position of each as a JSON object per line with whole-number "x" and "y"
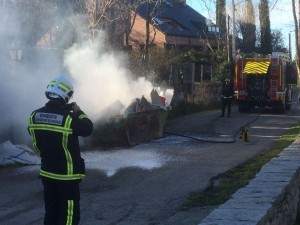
{"x": 148, "y": 184}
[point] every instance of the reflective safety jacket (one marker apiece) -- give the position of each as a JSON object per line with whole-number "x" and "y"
{"x": 54, "y": 131}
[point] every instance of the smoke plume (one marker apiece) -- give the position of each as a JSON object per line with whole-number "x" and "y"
{"x": 101, "y": 78}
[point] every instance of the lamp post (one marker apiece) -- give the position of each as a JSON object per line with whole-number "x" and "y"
{"x": 290, "y": 49}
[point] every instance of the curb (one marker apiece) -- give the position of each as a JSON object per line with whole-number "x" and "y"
{"x": 271, "y": 198}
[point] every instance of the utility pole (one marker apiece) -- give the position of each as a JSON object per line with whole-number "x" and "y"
{"x": 233, "y": 31}
{"x": 290, "y": 48}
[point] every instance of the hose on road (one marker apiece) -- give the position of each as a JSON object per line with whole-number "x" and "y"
{"x": 218, "y": 139}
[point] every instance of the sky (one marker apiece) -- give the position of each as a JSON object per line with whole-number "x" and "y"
{"x": 281, "y": 17}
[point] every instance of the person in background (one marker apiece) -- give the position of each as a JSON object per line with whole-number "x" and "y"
{"x": 54, "y": 129}
{"x": 227, "y": 96}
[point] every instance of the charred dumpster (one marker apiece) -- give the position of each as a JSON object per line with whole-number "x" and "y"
{"x": 141, "y": 122}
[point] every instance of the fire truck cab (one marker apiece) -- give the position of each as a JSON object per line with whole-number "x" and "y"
{"x": 264, "y": 82}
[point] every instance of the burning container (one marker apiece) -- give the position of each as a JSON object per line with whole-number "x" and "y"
{"x": 141, "y": 122}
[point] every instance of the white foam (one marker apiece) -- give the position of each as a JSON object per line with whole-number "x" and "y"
{"x": 112, "y": 161}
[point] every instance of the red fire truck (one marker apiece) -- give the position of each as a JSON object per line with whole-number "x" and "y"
{"x": 264, "y": 82}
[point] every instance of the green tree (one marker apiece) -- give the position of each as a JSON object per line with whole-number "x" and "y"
{"x": 248, "y": 28}
{"x": 278, "y": 42}
{"x": 221, "y": 14}
{"x": 265, "y": 28}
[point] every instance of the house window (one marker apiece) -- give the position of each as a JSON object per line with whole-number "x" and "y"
{"x": 157, "y": 21}
{"x": 213, "y": 29}
{"x": 171, "y": 23}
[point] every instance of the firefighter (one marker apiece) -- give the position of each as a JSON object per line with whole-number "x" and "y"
{"x": 54, "y": 129}
{"x": 227, "y": 96}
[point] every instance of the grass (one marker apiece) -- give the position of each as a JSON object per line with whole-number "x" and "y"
{"x": 224, "y": 185}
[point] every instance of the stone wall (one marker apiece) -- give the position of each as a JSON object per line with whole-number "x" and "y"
{"x": 206, "y": 92}
{"x": 182, "y": 78}
{"x": 199, "y": 93}
{"x": 271, "y": 198}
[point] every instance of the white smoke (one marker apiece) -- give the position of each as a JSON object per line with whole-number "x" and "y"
{"x": 101, "y": 78}
{"x": 22, "y": 84}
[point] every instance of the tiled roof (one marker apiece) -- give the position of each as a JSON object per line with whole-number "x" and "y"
{"x": 176, "y": 19}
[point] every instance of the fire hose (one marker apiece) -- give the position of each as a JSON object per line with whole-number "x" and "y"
{"x": 242, "y": 132}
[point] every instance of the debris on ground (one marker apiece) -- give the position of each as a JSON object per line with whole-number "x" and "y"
{"x": 11, "y": 154}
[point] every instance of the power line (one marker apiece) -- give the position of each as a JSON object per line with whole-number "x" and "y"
{"x": 274, "y": 5}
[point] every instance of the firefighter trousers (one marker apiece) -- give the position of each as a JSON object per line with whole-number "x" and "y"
{"x": 226, "y": 103}
{"x": 61, "y": 202}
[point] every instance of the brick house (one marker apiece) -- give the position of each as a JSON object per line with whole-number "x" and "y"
{"x": 175, "y": 25}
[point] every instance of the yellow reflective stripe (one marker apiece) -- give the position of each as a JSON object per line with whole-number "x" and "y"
{"x": 65, "y": 146}
{"x": 61, "y": 176}
{"x": 70, "y": 212}
{"x": 82, "y": 116}
{"x": 52, "y": 82}
{"x": 256, "y": 67}
{"x": 32, "y": 134}
{"x": 66, "y": 131}
{"x": 64, "y": 87}
{"x": 50, "y": 128}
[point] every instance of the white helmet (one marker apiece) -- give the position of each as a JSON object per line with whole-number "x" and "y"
{"x": 60, "y": 89}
